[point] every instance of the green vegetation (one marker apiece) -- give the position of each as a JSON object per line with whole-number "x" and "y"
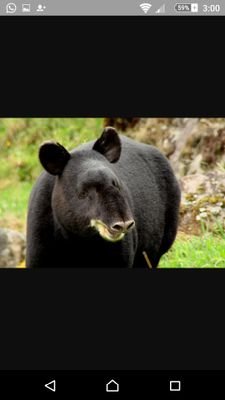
{"x": 206, "y": 251}
{"x": 19, "y": 167}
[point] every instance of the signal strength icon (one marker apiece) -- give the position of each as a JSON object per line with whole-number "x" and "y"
{"x": 161, "y": 9}
{"x": 145, "y": 7}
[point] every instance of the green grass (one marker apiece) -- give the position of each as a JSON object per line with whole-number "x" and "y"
{"x": 13, "y": 205}
{"x": 20, "y": 139}
{"x": 207, "y": 251}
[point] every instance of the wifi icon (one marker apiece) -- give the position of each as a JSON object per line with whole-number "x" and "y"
{"x": 145, "y": 7}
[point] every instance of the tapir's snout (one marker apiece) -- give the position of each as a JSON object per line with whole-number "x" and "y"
{"x": 115, "y": 232}
{"x": 122, "y": 226}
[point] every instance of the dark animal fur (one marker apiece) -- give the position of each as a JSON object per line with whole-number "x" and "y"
{"x": 90, "y": 182}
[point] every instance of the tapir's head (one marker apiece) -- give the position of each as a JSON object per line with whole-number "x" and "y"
{"x": 89, "y": 197}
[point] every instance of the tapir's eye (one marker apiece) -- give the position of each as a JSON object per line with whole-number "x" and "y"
{"x": 83, "y": 194}
{"x": 115, "y": 184}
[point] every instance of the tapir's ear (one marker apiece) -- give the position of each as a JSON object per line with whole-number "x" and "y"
{"x": 53, "y": 157}
{"x": 109, "y": 144}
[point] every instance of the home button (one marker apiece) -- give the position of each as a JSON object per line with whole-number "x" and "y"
{"x": 112, "y": 386}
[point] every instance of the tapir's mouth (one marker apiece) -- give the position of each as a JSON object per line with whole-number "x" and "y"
{"x": 105, "y": 232}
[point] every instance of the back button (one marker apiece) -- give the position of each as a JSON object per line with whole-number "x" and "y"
{"x": 51, "y": 386}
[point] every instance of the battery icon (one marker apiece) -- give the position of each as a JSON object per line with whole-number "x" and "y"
{"x": 194, "y": 7}
{"x": 186, "y": 7}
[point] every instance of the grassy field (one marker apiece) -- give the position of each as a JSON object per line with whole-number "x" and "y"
{"x": 19, "y": 168}
{"x": 206, "y": 251}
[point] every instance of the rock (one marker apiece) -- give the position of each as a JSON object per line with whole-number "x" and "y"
{"x": 184, "y": 135}
{"x": 193, "y": 145}
{"x": 195, "y": 165}
{"x": 203, "y": 202}
{"x": 12, "y": 248}
{"x": 155, "y": 131}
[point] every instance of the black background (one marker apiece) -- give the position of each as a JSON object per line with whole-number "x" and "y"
{"x": 112, "y": 320}
{"x": 133, "y": 66}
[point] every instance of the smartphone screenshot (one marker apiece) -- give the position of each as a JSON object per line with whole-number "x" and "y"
{"x": 112, "y": 199}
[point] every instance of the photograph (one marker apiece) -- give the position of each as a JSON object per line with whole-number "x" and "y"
{"x": 112, "y": 192}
